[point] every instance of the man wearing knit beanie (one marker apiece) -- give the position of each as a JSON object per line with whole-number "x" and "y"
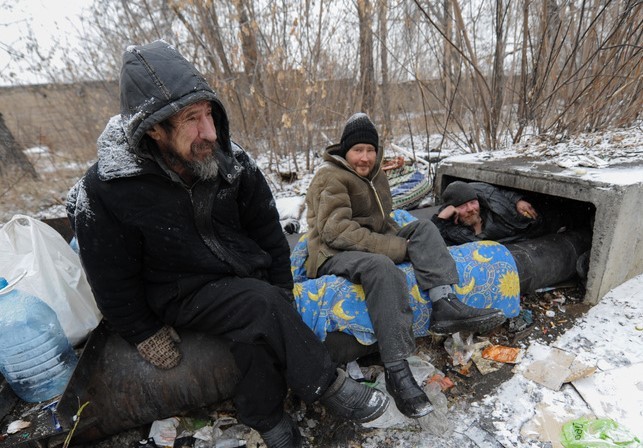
{"x": 359, "y": 129}
{"x": 479, "y": 211}
{"x": 351, "y": 234}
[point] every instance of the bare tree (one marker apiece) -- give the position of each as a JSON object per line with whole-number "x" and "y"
{"x": 384, "y": 69}
{"x": 367, "y": 86}
{"x": 11, "y": 155}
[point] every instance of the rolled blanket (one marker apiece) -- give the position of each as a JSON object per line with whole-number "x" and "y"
{"x": 488, "y": 278}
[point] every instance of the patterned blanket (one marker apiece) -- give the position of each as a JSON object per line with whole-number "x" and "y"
{"x": 488, "y": 278}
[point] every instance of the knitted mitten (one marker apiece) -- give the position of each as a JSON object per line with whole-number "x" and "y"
{"x": 160, "y": 349}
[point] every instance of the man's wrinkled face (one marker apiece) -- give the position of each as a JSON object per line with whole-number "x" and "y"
{"x": 361, "y": 157}
{"x": 468, "y": 213}
{"x": 190, "y": 144}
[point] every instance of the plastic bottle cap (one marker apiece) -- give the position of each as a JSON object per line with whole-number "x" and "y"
{"x": 3, "y": 283}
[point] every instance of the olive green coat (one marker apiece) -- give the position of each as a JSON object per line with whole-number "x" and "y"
{"x": 349, "y": 212}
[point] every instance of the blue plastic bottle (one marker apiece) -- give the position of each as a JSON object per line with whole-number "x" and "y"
{"x": 36, "y": 358}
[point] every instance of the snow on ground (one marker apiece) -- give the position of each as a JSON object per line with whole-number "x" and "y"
{"x": 524, "y": 413}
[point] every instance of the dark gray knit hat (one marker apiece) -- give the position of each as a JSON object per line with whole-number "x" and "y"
{"x": 457, "y": 193}
{"x": 359, "y": 129}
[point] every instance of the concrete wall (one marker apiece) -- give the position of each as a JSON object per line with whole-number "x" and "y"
{"x": 617, "y": 243}
{"x": 65, "y": 117}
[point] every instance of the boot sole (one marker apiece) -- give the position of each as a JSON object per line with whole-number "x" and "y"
{"x": 480, "y": 324}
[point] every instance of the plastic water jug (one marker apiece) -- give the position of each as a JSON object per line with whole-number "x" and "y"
{"x": 36, "y": 358}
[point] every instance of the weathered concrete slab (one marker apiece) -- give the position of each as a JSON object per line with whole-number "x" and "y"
{"x": 615, "y": 191}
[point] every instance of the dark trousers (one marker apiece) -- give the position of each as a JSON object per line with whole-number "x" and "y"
{"x": 387, "y": 294}
{"x": 271, "y": 345}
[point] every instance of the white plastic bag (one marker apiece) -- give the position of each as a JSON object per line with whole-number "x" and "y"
{"x": 52, "y": 271}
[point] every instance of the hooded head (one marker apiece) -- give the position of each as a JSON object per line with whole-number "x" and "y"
{"x": 156, "y": 82}
{"x": 458, "y": 193}
{"x": 358, "y": 129}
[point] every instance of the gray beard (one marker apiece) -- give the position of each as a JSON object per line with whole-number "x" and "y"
{"x": 205, "y": 169}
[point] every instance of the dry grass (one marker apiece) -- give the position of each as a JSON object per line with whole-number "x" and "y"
{"x": 43, "y": 197}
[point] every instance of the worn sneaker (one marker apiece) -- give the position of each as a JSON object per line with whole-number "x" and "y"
{"x": 449, "y": 315}
{"x": 409, "y": 398}
{"x": 348, "y": 399}
{"x": 285, "y": 434}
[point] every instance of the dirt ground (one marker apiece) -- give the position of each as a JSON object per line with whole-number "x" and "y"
{"x": 553, "y": 313}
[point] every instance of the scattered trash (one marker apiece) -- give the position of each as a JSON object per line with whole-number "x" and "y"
{"x": 459, "y": 350}
{"x": 436, "y": 421}
{"x": 354, "y": 371}
{"x": 195, "y": 433}
{"x": 501, "y": 353}
{"x": 521, "y": 321}
{"x": 599, "y": 433}
{"x": 485, "y": 366}
{"x": 164, "y": 431}
{"x": 547, "y": 422}
{"x": 228, "y": 443}
{"x": 548, "y": 366}
{"x": 17, "y": 425}
{"x": 371, "y": 372}
{"x": 579, "y": 370}
{"x": 51, "y": 407}
{"x": 444, "y": 381}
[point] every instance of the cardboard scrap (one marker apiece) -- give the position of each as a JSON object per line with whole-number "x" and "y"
{"x": 549, "y": 366}
{"x": 547, "y": 423}
{"x": 579, "y": 370}
{"x": 616, "y": 394}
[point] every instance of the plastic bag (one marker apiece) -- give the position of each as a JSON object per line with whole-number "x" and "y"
{"x": 52, "y": 271}
{"x": 599, "y": 433}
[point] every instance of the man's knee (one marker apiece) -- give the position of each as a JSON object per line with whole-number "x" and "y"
{"x": 379, "y": 263}
{"x": 427, "y": 227}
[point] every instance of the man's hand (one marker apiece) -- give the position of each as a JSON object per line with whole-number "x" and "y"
{"x": 160, "y": 349}
{"x": 525, "y": 209}
{"x": 449, "y": 212}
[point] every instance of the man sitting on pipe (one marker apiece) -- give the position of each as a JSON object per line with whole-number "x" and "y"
{"x": 177, "y": 228}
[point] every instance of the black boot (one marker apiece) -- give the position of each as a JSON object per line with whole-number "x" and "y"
{"x": 348, "y": 399}
{"x": 285, "y": 434}
{"x": 449, "y": 315}
{"x": 409, "y": 398}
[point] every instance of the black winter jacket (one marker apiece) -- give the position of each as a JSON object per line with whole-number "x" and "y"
{"x": 501, "y": 221}
{"x": 148, "y": 241}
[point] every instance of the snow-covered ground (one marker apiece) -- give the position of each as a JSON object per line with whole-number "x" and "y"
{"x": 524, "y": 413}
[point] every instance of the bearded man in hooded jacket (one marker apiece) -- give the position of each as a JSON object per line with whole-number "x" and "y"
{"x": 178, "y": 229}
